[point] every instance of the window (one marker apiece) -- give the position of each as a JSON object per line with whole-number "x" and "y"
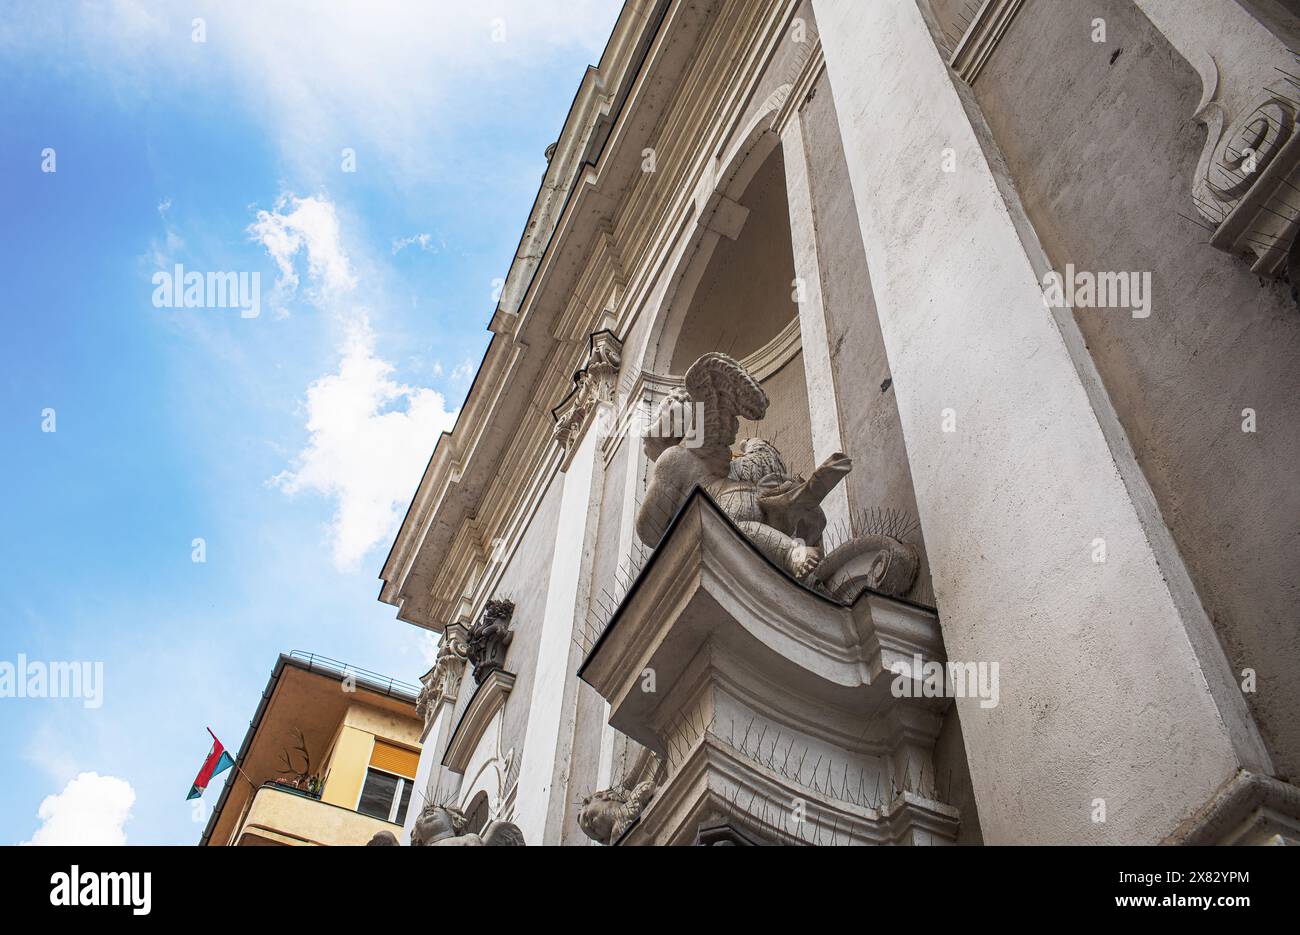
{"x": 386, "y": 792}
{"x": 477, "y": 816}
{"x": 385, "y": 796}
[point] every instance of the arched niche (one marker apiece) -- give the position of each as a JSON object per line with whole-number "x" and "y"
{"x": 735, "y": 290}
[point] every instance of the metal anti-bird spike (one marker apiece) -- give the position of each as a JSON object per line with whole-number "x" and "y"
{"x": 1197, "y": 221}
{"x": 771, "y": 754}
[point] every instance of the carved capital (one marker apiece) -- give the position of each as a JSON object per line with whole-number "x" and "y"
{"x": 594, "y": 384}
{"x": 442, "y": 682}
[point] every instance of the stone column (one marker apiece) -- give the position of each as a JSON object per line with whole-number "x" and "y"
{"x": 1114, "y": 692}
{"x": 823, "y": 404}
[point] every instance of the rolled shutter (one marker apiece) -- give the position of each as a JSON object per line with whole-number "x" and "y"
{"x": 394, "y": 759}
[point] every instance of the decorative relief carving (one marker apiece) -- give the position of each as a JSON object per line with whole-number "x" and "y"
{"x": 596, "y": 383}
{"x": 1248, "y": 174}
{"x": 444, "y": 826}
{"x": 442, "y": 681}
{"x": 780, "y": 512}
{"x": 488, "y": 639}
{"x": 606, "y": 814}
{"x": 1245, "y": 187}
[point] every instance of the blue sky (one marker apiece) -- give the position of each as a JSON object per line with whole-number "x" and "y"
{"x": 290, "y": 442}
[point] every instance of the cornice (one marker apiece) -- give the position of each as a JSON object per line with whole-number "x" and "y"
{"x": 707, "y": 583}
{"x": 986, "y": 29}
{"x": 676, "y": 97}
{"x": 466, "y": 461}
{"x": 1249, "y": 808}
{"x": 715, "y": 777}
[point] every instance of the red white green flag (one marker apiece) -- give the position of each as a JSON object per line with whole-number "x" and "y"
{"x": 219, "y": 760}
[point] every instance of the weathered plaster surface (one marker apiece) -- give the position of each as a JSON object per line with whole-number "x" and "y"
{"x": 590, "y": 716}
{"x": 1104, "y": 154}
{"x": 525, "y": 582}
{"x": 868, "y": 411}
{"x": 1103, "y": 695}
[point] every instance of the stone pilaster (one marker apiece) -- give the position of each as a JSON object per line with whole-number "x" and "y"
{"x": 1119, "y": 715}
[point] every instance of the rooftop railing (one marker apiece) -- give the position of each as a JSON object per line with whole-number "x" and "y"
{"x": 373, "y": 681}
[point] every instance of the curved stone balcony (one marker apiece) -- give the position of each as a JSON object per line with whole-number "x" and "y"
{"x": 774, "y": 708}
{"x": 278, "y": 814}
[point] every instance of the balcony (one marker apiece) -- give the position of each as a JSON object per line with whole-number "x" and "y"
{"x": 283, "y": 815}
{"x": 757, "y": 692}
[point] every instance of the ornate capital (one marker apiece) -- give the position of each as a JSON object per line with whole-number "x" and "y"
{"x": 442, "y": 682}
{"x": 595, "y": 383}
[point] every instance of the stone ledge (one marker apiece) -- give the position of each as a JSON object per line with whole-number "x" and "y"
{"x": 1247, "y": 809}
{"x": 488, "y": 699}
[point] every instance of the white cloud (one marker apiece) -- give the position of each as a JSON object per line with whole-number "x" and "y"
{"x": 369, "y": 436}
{"x": 463, "y": 371}
{"x": 424, "y": 241}
{"x": 428, "y": 645}
{"x": 370, "y": 440}
{"x": 383, "y": 77}
{"x": 305, "y": 225}
{"x": 91, "y": 810}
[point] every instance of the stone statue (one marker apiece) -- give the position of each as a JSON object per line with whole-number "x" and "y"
{"x": 444, "y": 826}
{"x": 489, "y": 638}
{"x": 383, "y": 839}
{"x": 605, "y": 815}
{"x": 690, "y": 441}
{"x": 779, "y": 511}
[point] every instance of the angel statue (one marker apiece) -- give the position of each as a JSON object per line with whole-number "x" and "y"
{"x": 442, "y": 825}
{"x": 779, "y": 511}
{"x": 606, "y": 814}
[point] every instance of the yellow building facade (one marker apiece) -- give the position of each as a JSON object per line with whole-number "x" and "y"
{"x": 329, "y": 759}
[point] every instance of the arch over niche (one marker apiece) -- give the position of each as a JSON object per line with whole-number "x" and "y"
{"x": 734, "y": 289}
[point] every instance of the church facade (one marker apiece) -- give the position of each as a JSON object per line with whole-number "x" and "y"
{"x": 888, "y": 435}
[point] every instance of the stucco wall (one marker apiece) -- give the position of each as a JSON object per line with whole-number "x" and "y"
{"x": 278, "y": 816}
{"x": 524, "y": 581}
{"x": 868, "y": 411}
{"x": 590, "y": 710}
{"x": 1103, "y": 149}
{"x": 347, "y": 767}
{"x": 384, "y": 724}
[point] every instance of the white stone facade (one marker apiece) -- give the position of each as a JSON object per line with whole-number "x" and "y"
{"x": 863, "y": 203}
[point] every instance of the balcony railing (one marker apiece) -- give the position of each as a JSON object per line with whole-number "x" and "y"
{"x": 288, "y": 787}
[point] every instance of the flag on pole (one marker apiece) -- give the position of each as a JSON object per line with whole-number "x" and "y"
{"x": 218, "y": 761}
